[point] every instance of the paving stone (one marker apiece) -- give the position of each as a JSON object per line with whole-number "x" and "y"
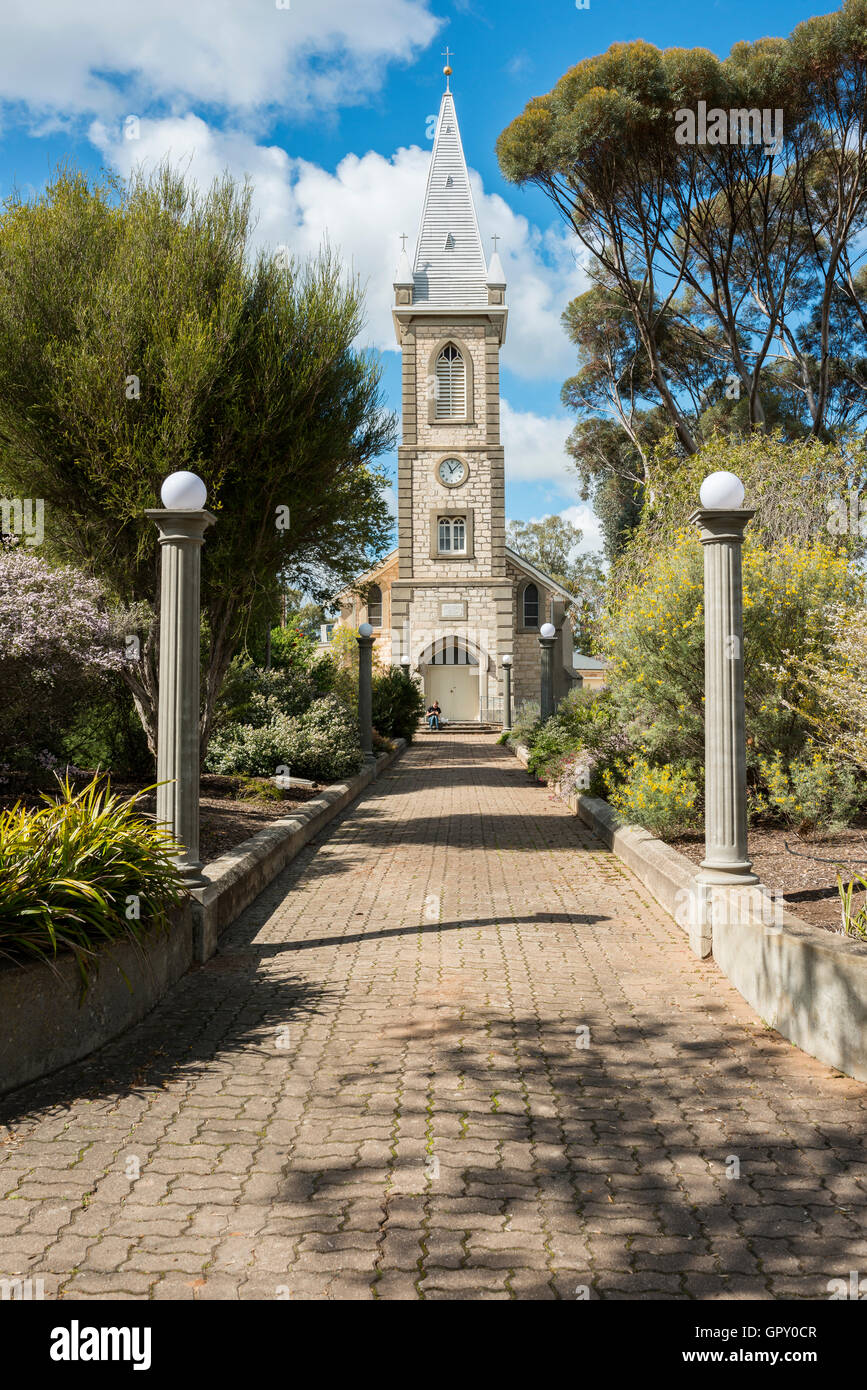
{"x": 432, "y": 1105}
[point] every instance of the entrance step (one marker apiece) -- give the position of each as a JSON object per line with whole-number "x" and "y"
{"x": 461, "y": 726}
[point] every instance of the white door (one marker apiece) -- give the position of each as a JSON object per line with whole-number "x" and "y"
{"x": 456, "y": 688}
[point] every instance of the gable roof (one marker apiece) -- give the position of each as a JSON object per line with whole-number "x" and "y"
{"x": 531, "y": 570}
{"x": 368, "y": 574}
{"x": 450, "y": 267}
{"x": 535, "y": 573}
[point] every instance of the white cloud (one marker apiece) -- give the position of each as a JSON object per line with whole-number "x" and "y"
{"x": 535, "y": 448}
{"x": 583, "y": 516}
{"x": 102, "y": 57}
{"x": 361, "y": 209}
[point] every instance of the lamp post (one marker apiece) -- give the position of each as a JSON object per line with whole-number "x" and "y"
{"x": 365, "y": 688}
{"x": 722, "y": 519}
{"x": 181, "y": 524}
{"x": 507, "y": 703}
{"x": 405, "y": 664}
{"x": 547, "y": 638}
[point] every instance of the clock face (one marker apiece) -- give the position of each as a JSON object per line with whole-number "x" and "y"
{"x": 452, "y": 472}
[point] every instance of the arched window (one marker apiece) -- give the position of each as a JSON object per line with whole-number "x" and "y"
{"x": 452, "y": 535}
{"x": 531, "y": 606}
{"x": 374, "y": 606}
{"x": 451, "y": 384}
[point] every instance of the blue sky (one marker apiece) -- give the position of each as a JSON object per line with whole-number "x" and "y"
{"x": 327, "y": 105}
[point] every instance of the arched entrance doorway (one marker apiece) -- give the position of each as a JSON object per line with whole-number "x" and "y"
{"x": 452, "y": 675}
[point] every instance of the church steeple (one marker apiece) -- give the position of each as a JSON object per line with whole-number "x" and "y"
{"x": 450, "y": 269}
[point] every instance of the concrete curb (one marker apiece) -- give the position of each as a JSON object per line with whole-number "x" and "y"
{"x": 234, "y": 880}
{"x": 46, "y": 1023}
{"x": 807, "y": 983}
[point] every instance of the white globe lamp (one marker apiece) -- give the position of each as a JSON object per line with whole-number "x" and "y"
{"x": 722, "y": 492}
{"x": 507, "y": 661}
{"x": 547, "y": 630}
{"x": 183, "y": 492}
{"x": 365, "y": 630}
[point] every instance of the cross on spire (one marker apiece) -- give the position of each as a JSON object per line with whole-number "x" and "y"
{"x": 403, "y": 241}
{"x": 495, "y": 238}
{"x": 447, "y": 69}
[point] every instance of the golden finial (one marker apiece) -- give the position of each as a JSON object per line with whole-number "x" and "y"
{"x": 447, "y": 69}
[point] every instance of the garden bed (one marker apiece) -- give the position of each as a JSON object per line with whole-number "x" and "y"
{"x": 226, "y": 817}
{"x": 803, "y": 868}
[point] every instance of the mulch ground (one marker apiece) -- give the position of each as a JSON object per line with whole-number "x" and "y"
{"x": 226, "y": 819}
{"x": 803, "y": 868}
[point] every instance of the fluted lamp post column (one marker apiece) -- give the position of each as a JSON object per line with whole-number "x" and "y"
{"x": 722, "y": 519}
{"x": 507, "y": 702}
{"x": 181, "y": 526}
{"x": 547, "y": 638}
{"x": 365, "y": 688}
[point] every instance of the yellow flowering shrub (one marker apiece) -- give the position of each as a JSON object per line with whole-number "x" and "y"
{"x": 811, "y": 792}
{"x": 836, "y": 684}
{"x": 654, "y": 637}
{"x": 662, "y": 799}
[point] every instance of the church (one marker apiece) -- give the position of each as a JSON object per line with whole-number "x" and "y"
{"x": 452, "y": 600}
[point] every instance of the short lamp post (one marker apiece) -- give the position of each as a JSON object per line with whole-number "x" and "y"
{"x": 507, "y": 701}
{"x": 181, "y": 526}
{"x": 547, "y": 638}
{"x": 365, "y": 688}
{"x": 722, "y": 519}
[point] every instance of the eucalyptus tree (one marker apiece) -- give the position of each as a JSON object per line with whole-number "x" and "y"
{"x": 730, "y": 194}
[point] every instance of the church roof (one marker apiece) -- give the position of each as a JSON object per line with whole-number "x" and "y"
{"x": 450, "y": 267}
{"x": 535, "y": 573}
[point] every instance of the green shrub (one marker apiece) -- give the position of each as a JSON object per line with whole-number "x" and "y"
{"x": 398, "y": 704}
{"x": 327, "y": 745}
{"x": 253, "y": 695}
{"x": 323, "y": 743}
{"x": 662, "y": 799}
{"x": 525, "y": 723}
{"x": 83, "y": 871}
{"x": 106, "y": 732}
{"x": 810, "y": 792}
{"x": 255, "y": 750}
{"x": 586, "y": 727}
{"x": 551, "y": 742}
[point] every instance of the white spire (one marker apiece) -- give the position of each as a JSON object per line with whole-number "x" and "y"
{"x": 403, "y": 274}
{"x": 496, "y": 273}
{"x": 450, "y": 265}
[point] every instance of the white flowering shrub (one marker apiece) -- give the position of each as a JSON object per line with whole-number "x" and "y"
{"x": 322, "y": 743}
{"x": 59, "y": 641}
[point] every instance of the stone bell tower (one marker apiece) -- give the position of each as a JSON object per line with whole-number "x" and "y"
{"x": 452, "y": 600}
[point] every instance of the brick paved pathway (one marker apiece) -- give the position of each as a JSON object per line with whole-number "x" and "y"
{"x": 374, "y": 1090}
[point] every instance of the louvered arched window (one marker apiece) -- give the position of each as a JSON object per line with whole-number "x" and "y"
{"x": 451, "y": 384}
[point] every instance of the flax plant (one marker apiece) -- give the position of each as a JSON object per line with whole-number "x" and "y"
{"x": 83, "y": 871}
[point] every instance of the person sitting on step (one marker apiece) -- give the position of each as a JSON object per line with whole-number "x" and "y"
{"x": 434, "y": 714}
